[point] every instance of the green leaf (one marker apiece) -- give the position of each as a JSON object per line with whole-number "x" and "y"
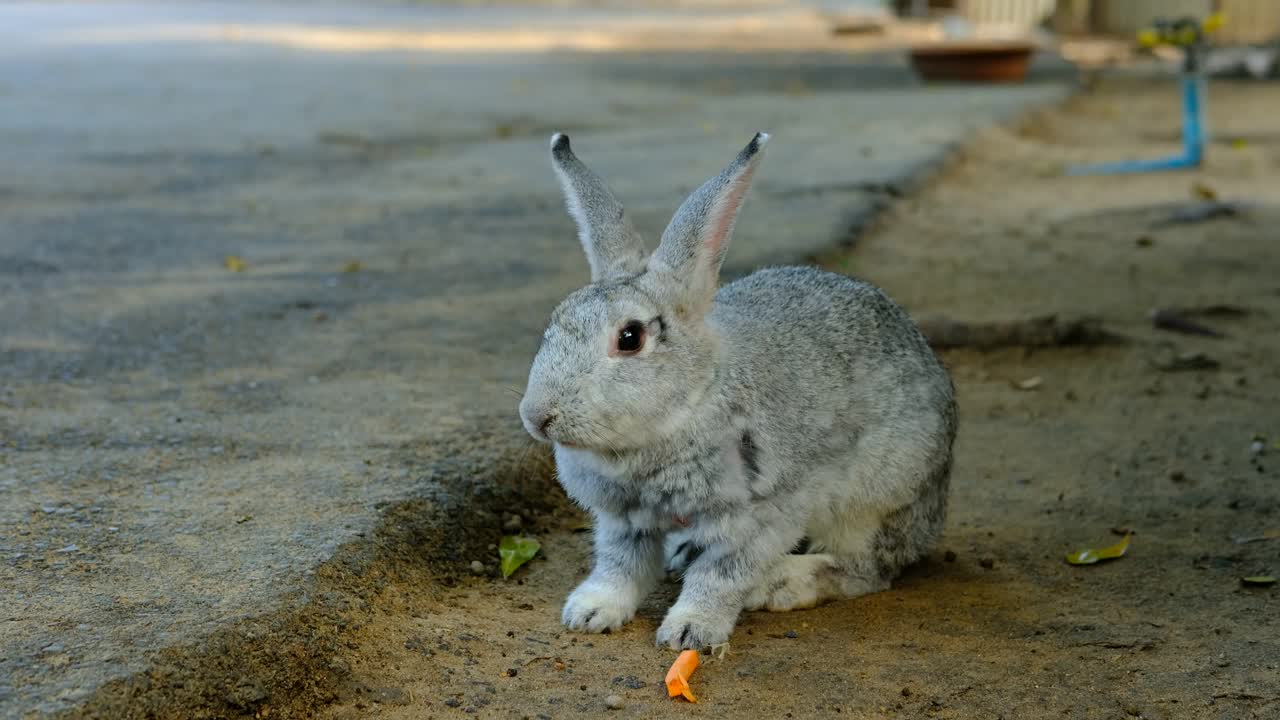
{"x": 515, "y": 551}
{"x": 1089, "y": 557}
{"x": 1259, "y": 580}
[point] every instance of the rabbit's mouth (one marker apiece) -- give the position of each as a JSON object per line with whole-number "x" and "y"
{"x": 581, "y": 442}
{"x": 565, "y": 437}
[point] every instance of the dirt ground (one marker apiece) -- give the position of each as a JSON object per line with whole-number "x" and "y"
{"x": 995, "y": 624}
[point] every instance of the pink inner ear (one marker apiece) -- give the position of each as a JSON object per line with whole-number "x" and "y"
{"x": 724, "y": 213}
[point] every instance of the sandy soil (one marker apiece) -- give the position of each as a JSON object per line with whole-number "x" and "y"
{"x": 995, "y": 624}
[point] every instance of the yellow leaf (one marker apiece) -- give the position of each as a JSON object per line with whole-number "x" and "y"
{"x": 1204, "y": 191}
{"x": 1265, "y": 535}
{"x": 235, "y": 263}
{"x": 1089, "y": 557}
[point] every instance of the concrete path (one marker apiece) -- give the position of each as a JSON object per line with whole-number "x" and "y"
{"x": 182, "y": 446}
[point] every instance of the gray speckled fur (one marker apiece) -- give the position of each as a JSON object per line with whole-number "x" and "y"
{"x": 791, "y": 404}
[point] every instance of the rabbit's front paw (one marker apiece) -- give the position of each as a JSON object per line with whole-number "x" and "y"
{"x": 694, "y": 628}
{"x": 597, "y": 607}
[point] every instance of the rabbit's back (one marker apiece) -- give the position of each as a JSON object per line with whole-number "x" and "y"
{"x": 806, "y": 344}
{"x": 779, "y": 315}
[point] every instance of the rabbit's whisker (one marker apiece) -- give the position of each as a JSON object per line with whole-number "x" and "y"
{"x": 600, "y": 438}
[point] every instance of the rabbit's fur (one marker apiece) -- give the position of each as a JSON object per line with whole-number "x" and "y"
{"x": 792, "y": 405}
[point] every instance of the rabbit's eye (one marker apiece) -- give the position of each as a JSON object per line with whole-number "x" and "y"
{"x": 631, "y": 338}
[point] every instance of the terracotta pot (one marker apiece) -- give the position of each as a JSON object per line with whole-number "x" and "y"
{"x": 973, "y": 61}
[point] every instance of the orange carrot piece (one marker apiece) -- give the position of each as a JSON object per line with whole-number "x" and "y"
{"x": 678, "y": 675}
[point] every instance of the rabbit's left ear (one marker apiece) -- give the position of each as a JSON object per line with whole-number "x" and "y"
{"x": 614, "y": 248}
{"x": 694, "y": 244}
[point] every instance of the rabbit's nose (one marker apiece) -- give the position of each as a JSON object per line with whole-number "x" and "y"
{"x": 537, "y": 420}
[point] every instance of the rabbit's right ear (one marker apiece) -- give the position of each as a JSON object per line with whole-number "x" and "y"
{"x": 693, "y": 246}
{"x": 614, "y": 248}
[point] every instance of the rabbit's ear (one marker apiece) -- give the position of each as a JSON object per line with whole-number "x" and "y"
{"x": 694, "y": 244}
{"x": 613, "y": 246}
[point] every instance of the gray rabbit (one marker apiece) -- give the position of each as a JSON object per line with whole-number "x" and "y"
{"x": 717, "y": 432}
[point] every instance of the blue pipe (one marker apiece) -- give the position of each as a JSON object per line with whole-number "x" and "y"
{"x": 1193, "y": 138}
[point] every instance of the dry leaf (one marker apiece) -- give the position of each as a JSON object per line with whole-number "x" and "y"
{"x": 1030, "y": 383}
{"x": 1089, "y": 557}
{"x": 1266, "y": 535}
{"x": 1186, "y": 362}
{"x": 1203, "y": 191}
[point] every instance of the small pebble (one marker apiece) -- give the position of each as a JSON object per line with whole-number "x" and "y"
{"x": 629, "y": 681}
{"x": 477, "y": 567}
{"x": 906, "y": 692}
{"x": 1256, "y": 447}
{"x": 792, "y": 634}
{"x": 949, "y": 556}
{"x": 512, "y": 523}
{"x": 987, "y": 563}
{"x": 613, "y": 702}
